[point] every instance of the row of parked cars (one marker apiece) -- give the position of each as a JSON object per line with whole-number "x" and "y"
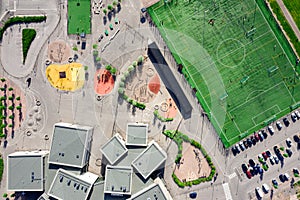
{"x": 263, "y": 134}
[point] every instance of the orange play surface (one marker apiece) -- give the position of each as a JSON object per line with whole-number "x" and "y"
{"x": 154, "y": 84}
{"x": 103, "y": 82}
{"x": 172, "y": 110}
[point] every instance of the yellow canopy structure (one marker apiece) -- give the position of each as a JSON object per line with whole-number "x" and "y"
{"x": 68, "y": 77}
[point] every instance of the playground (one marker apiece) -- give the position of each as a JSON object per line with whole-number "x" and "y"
{"x": 241, "y": 72}
{"x": 68, "y": 77}
{"x": 103, "y": 82}
{"x": 59, "y": 51}
{"x": 79, "y": 16}
{"x": 193, "y": 165}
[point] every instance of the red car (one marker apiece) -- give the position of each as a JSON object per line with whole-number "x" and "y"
{"x": 256, "y": 137}
{"x": 248, "y": 173}
{"x": 264, "y": 154}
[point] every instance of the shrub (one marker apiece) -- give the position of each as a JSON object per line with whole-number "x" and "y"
{"x": 10, "y": 125}
{"x": 10, "y": 89}
{"x": 130, "y": 68}
{"x": 13, "y": 195}
{"x": 5, "y": 195}
{"x": 2, "y": 79}
{"x": 28, "y": 36}
{"x": 2, "y": 89}
{"x": 115, "y": 3}
{"x": 10, "y": 98}
{"x": 10, "y": 107}
{"x": 108, "y": 67}
{"x": 95, "y": 46}
{"x": 134, "y": 64}
{"x": 109, "y": 7}
{"x": 177, "y": 181}
{"x": 18, "y": 107}
{"x": 104, "y": 11}
{"x": 75, "y": 48}
{"x": 140, "y": 105}
{"x": 140, "y": 60}
{"x": 121, "y": 91}
{"x": 11, "y": 117}
{"x": 3, "y": 98}
{"x": 95, "y": 53}
{"x": 121, "y": 84}
{"x": 18, "y": 98}
{"x": 113, "y": 71}
{"x": 1, "y": 168}
{"x": 98, "y": 59}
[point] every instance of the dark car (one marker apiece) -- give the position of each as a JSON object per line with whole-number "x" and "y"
{"x": 296, "y": 138}
{"x": 234, "y": 150}
{"x": 261, "y": 136}
{"x": 193, "y": 195}
{"x": 289, "y": 152}
{"x": 268, "y": 153}
{"x": 244, "y": 167}
{"x": 249, "y": 141}
{"x": 286, "y": 122}
{"x": 100, "y": 38}
{"x": 253, "y": 140}
{"x": 282, "y": 178}
{"x": 245, "y": 144}
{"x": 251, "y": 163}
{"x": 143, "y": 10}
{"x": 264, "y": 134}
{"x": 276, "y": 149}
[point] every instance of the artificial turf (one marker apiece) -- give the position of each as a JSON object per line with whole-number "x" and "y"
{"x": 79, "y": 16}
{"x": 243, "y": 80}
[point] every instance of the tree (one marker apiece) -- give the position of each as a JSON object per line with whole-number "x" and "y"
{"x": 95, "y": 46}
{"x": 115, "y": 3}
{"x": 109, "y": 7}
{"x": 18, "y": 98}
{"x": 2, "y": 79}
{"x": 113, "y": 70}
{"x": 10, "y": 107}
{"x": 10, "y": 89}
{"x": 104, "y": 11}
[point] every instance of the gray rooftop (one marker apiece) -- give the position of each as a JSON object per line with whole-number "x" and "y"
{"x": 118, "y": 180}
{"x": 69, "y": 144}
{"x": 149, "y": 160}
{"x": 68, "y": 186}
{"x": 137, "y": 134}
{"x": 151, "y": 192}
{"x": 114, "y": 149}
{"x": 26, "y": 171}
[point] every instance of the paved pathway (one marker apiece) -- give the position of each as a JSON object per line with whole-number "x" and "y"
{"x": 289, "y": 18}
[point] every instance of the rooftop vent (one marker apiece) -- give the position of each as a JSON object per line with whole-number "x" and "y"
{"x": 69, "y": 182}
{"x": 61, "y": 178}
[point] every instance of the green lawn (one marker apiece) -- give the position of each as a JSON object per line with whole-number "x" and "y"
{"x": 243, "y": 75}
{"x": 79, "y": 16}
{"x": 294, "y": 7}
{"x": 28, "y": 36}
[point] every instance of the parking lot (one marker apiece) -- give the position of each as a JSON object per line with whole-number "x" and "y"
{"x": 273, "y": 152}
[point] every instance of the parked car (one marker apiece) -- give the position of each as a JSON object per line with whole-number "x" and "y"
{"x": 279, "y": 125}
{"x": 260, "y": 158}
{"x": 251, "y": 163}
{"x": 253, "y": 140}
{"x": 242, "y": 146}
{"x": 244, "y": 167}
{"x": 245, "y": 144}
{"x": 286, "y": 122}
{"x": 235, "y": 150}
{"x": 264, "y": 133}
{"x": 289, "y": 152}
{"x": 286, "y": 176}
{"x": 265, "y": 166}
{"x": 289, "y": 142}
{"x": 193, "y": 195}
{"x": 282, "y": 178}
{"x": 265, "y": 188}
{"x": 268, "y": 153}
{"x": 293, "y": 117}
{"x": 248, "y": 173}
{"x": 296, "y": 138}
{"x": 276, "y": 159}
{"x": 259, "y": 192}
{"x": 276, "y": 149}
{"x": 271, "y": 130}
{"x": 272, "y": 160}
{"x": 297, "y": 114}
{"x": 249, "y": 142}
{"x": 256, "y": 137}
{"x": 264, "y": 155}
{"x": 261, "y": 136}
{"x": 100, "y": 38}
{"x": 275, "y": 183}
{"x": 296, "y": 172}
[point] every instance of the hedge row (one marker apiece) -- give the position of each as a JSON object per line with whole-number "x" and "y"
{"x": 18, "y": 20}
{"x": 178, "y": 138}
{"x": 161, "y": 118}
{"x": 126, "y": 74}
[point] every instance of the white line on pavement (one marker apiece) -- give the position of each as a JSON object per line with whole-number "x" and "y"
{"x": 227, "y": 191}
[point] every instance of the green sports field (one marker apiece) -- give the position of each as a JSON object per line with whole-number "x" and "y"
{"x": 243, "y": 77}
{"x": 79, "y": 19}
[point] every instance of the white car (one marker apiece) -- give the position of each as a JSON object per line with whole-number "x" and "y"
{"x": 289, "y": 142}
{"x": 286, "y": 176}
{"x": 272, "y": 160}
{"x": 259, "y": 192}
{"x": 266, "y": 188}
{"x": 297, "y": 114}
{"x": 271, "y": 130}
{"x": 279, "y": 125}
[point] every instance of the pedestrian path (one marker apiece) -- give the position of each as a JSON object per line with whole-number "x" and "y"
{"x": 227, "y": 191}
